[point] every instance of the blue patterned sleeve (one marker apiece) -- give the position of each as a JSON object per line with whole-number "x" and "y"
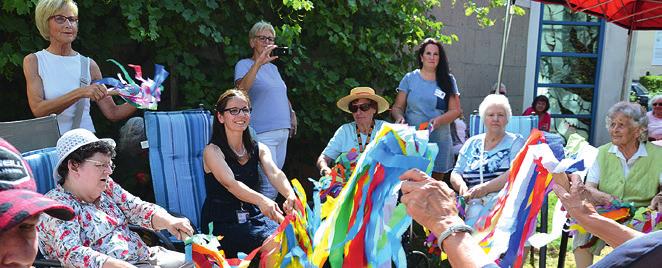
{"x": 462, "y": 158}
{"x": 516, "y": 146}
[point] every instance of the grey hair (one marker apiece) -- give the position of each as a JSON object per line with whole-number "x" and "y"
{"x": 495, "y": 100}
{"x": 635, "y": 112}
{"x": 495, "y": 87}
{"x": 260, "y": 26}
{"x": 654, "y": 99}
{"x": 131, "y": 134}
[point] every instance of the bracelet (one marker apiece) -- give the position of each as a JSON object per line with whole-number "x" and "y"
{"x": 460, "y": 227}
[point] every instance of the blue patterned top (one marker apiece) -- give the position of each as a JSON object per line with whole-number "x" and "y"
{"x": 495, "y": 162}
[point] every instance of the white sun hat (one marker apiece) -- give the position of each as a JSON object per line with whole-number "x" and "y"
{"x": 71, "y": 141}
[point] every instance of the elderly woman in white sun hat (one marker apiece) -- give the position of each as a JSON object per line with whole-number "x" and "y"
{"x": 363, "y": 104}
{"x": 99, "y": 235}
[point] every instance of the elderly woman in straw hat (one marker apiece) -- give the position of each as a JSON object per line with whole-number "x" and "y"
{"x": 363, "y": 104}
{"x": 99, "y": 235}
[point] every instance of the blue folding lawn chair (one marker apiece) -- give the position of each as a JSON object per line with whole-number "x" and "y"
{"x": 518, "y": 124}
{"x": 42, "y": 162}
{"x": 176, "y": 143}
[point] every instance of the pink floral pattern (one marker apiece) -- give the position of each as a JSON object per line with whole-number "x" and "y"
{"x": 99, "y": 230}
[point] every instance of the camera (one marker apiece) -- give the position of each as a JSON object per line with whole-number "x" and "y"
{"x": 281, "y": 51}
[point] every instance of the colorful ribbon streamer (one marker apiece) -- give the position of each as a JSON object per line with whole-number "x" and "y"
{"x": 143, "y": 96}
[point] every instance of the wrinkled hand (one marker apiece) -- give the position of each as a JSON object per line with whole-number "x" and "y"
{"x": 293, "y": 124}
{"x": 265, "y": 57}
{"x": 290, "y": 204}
{"x": 596, "y": 197}
{"x": 94, "y": 92}
{"x": 463, "y": 189}
{"x": 477, "y": 191}
{"x": 270, "y": 209}
{"x": 656, "y": 203}
{"x": 180, "y": 227}
{"x": 430, "y": 202}
{"x": 576, "y": 200}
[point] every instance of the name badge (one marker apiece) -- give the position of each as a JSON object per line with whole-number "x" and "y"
{"x": 439, "y": 93}
{"x": 242, "y": 216}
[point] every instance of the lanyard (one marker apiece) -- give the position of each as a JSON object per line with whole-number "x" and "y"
{"x": 367, "y": 140}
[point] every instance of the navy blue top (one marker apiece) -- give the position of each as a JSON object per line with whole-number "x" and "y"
{"x": 220, "y": 204}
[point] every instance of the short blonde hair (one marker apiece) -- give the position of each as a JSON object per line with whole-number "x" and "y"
{"x": 47, "y": 8}
{"x": 498, "y": 100}
{"x": 260, "y": 26}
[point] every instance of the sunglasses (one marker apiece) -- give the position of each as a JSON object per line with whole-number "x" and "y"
{"x": 59, "y": 19}
{"x": 235, "y": 110}
{"x": 364, "y": 107}
{"x": 657, "y": 104}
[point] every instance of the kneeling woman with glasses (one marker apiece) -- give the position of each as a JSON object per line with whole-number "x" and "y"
{"x": 239, "y": 212}
{"x": 363, "y": 104}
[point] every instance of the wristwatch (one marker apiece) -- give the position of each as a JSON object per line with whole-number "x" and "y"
{"x": 451, "y": 230}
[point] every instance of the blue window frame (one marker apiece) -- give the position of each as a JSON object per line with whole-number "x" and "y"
{"x": 568, "y": 61}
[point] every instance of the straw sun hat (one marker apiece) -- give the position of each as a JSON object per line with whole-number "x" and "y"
{"x": 71, "y": 141}
{"x": 362, "y": 93}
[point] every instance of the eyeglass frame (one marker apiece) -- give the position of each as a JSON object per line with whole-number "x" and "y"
{"x": 245, "y": 110}
{"x": 72, "y": 19}
{"x": 264, "y": 39}
{"x": 656, "y": 104}
{"x": 101, "y": 165}
{"x": 363, "y": 107}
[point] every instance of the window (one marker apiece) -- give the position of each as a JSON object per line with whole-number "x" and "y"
{"x": 567, "y": 68}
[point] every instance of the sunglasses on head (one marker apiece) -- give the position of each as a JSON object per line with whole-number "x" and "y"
{"x": 235, "y": 110}
{"x": 364, "y": 107}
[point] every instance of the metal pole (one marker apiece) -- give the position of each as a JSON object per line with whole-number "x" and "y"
{"x": 625, "y": 89}
{"x": 504, "y": 41}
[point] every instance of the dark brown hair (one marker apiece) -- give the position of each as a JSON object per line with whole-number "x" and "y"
{"x": 218, "y": 136}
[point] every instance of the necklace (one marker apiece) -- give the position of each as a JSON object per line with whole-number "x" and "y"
{"x": 239, "y": 155}
{"x": 367, "y": 140}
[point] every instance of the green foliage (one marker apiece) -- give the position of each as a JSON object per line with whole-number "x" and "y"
{"x": 653, "y": 83}
{"x": 336, "y": 45}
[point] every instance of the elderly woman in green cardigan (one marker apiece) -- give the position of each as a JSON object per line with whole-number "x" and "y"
{"x": 627, "y": 169}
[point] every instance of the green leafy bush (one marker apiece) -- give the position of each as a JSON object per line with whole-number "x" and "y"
{"x": 653, "y": 83}
{"x": 336, "y": 45}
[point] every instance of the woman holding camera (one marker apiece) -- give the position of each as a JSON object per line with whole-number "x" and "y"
{"x": 273, "y": 118}
{"x": 428, "y": 96}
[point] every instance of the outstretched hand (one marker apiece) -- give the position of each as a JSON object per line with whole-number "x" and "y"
{"x": 430, "y": 202}
{"x": 576, "y": 200}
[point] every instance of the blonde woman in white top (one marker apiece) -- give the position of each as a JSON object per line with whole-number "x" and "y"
{"x": 58, "y": 77}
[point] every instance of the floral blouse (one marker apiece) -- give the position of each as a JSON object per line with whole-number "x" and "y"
{"x": 99, "y": 230}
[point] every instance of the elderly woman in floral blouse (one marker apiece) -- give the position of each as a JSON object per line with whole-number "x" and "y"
{"x": 99, "y": 235}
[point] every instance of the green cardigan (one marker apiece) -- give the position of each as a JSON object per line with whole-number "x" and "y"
{"x": 642, "y": 182}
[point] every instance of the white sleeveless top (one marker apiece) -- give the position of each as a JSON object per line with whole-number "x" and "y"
{"x": 60, "y": 75}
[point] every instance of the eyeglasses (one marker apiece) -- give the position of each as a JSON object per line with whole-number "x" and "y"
{"x": 657, "y": 104}
{"x": 59, "y": 19}
{"x": 101, "y": 165}
{"x": 235, "y": 110}
{"x": 364, "y": 107}
{"x": 264, "y": 39}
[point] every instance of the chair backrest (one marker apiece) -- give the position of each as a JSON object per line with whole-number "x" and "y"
{"x": 522, "y": 124}
{"x": 31, "y": 134}
{"x": 42, "y": 162}
{"x": 176, "y": 143}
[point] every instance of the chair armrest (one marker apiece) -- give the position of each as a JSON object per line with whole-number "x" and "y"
{"x": 152, "y": 237}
